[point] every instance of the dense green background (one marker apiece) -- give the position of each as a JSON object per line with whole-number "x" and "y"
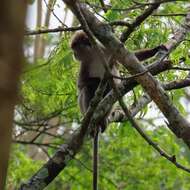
{"x": 127, "y": 162}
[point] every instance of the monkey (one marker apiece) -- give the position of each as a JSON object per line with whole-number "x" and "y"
{"x": 90, "y": 75}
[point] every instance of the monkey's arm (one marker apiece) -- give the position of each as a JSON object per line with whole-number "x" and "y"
{"x": 87, "y": 91}
{"x": 148, "y": 53}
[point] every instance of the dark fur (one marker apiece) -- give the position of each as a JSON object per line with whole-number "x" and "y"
{"x": 148, "y": 53}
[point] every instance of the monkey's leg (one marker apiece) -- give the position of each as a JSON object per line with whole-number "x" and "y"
{"x": 95, "y": 158}
{"x": 148, "y": 53}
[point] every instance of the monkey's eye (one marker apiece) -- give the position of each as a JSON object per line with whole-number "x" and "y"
{"x": 83, "y": 42}
{"x": 86, "y": 42}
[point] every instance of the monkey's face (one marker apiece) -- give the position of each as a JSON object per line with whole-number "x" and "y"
{"x": 81, "y": 46}
{"x": 82, "y": 52}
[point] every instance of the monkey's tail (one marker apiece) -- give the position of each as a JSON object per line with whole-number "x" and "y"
{"x": 95, "y": 158}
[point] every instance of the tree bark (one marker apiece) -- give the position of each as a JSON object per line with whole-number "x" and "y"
{"x": 38, "y": 40}
{"x": 12, "y": 16}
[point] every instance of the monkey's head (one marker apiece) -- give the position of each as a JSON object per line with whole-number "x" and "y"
{"x": 80, "y": 45}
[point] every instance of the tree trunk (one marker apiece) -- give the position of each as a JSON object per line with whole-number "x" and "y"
{"x": 49, "y": 8}
{"x": 38, "y": 39}
{"x": 12, "y": 18}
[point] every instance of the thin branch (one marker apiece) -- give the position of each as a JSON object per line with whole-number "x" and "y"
{"x": 53, "y": 30}
{"x": 103, "y": 5}
{"x": 70, "y": 29}
{"x": 161, "y": 1}
{"x": 130, "y": 77}
{"x": 177, "y": 84}
{"x": 109, "y": 7}
{"x": 52, "y": 10}
{"x": 180, "y": 68}
{"x": 119, "y": 23}
{"x": 36, "y": 144}
{"x": 170, "y": 15}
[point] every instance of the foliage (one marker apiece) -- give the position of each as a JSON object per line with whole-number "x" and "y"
{"x": 127, "y": 162}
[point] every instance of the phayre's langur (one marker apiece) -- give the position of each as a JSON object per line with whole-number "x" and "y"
{"x": 92, "y": 69}
{"x": 92, "y": 72}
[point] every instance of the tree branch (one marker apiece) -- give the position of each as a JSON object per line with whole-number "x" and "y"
{"x": 59, "y": 29}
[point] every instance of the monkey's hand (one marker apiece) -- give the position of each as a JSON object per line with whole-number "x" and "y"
{"x": 100, "y": 127}
{"x": 94, "y": 130}
{"x": 161, "y": 48}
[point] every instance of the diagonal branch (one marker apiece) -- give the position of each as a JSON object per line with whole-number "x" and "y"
{"x": 53, "y": 30}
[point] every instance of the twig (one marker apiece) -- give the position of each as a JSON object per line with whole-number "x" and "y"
{"x": 51, "y": 9}
{"x": 130, "y": 77}
{"x": 103, "y": 5}
{"x": 36, "y": 144}
{"x": 180, "y": 68}
{"x": 171, "y": 14}
{"x": 53, "y": 30}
